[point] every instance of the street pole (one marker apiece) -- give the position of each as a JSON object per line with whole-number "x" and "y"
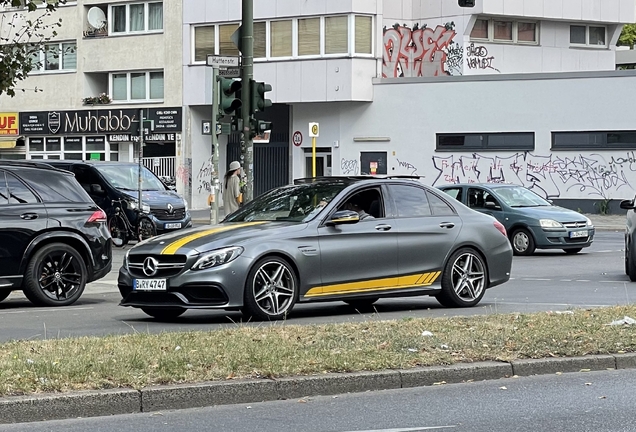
{"x": 214, "y": 173}
{"x": 313, "y": 157}
{"x": 247, "y": 72}
{"x": 140, "y": 153}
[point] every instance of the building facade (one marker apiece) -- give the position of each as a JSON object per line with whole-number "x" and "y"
{"x": 109, "y": 65}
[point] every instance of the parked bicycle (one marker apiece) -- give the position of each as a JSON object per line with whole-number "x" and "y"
{"x": 122, "y": 230}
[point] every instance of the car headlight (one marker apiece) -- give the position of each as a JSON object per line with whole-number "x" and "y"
{"x": 217, "y": 257}
{"x": 549, "y": 223}
{"x": 125, "y": 263}
{"x": 134, "y": 205}
{"x": 589, "y": 221}
{"x": 185, "y": 203}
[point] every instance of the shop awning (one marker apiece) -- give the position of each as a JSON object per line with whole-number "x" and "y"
{"x": 8, "y": 142}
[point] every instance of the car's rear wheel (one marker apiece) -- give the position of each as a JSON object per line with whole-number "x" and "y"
{"x": 522, "y": 242}
{"x": 4, "y": 295}
{"x": 164, "y": 313}
{"x": 271, "y": 289}
{"x": 55, "y": 276}
{"x": 362, "y": 304}
{"x": 572, "y": 251}
{"x": 464, "y": 280}
{"x": 630, "y": 266}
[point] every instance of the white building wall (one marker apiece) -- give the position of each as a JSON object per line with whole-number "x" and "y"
{"x": 407, "y": 115}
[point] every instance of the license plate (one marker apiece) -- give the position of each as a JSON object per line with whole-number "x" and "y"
{"x": 172, "y": 225}
{"x": 577, "y": 234}
{"x": 150, "y": 285}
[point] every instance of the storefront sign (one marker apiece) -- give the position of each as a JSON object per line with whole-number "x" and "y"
{"x": 118, "y": 123}
{"x": 8, "y": 124}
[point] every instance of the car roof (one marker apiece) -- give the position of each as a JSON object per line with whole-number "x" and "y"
{"x": 89, "y": 162}
{"x": 486, "y": 185}
{"x": 352, "y": 179}
{"x": 15, "y": 165}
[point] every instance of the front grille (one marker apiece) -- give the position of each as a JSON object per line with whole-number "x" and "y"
{"x": 579, "y": 224}
{"x": 167, "y": 265}
{"x": 163, "y": 214}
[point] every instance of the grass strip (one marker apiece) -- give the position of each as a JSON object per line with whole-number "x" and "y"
{"x": 139, "y": 360}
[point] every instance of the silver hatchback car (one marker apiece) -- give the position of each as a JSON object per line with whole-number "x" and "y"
{"x": 352, "y": 239}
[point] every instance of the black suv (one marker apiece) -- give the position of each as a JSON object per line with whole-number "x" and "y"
{"x": 53, "y": 237}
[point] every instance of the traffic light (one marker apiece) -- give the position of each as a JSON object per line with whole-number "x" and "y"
{"x": 229, "y": 97}
{"x": 258, "y": 90}
{"x": 466, "y": 3}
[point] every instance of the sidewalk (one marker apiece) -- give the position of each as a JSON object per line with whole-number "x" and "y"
{"x": 601, "y": 222}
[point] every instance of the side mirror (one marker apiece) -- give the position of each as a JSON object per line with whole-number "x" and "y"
{"x": 627, "y": 204}
{"x": 491, "y": 205}
{"x": 344, "y": 217}
{"x": 97, "y": 189}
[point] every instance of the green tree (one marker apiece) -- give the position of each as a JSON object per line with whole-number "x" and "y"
{"x": 25, "y": 27}
{"x": 628, "y": 36}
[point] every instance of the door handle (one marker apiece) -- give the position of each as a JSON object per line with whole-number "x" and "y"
{"x": 29, "y": 216}
{"x": 448, "y": 225}
{"x": 383, "y": 227}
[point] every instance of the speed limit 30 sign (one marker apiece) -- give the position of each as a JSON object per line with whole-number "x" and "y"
{"x": 297, "y": 138}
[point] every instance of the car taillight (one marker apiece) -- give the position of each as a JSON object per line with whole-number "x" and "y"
{"x": 500, "y": 227}
{"x": 98, "y": 216}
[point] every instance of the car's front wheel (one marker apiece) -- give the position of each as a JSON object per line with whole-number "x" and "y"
{"x": 464, "y": 280}
{"x": 271, "y": 289}
{"x": 55, "y": 276}
{"x": 164, "y": 313}
{"x": 522, "y": 242}
{"x": 4, "y": 295}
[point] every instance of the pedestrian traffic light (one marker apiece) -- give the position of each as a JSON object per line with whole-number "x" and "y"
{"x": 229, "y": 97}
{"x": 466, "y": 3}
{"x": 258, "y": 90}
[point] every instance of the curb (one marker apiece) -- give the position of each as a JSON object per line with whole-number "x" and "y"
{"x": 94, "y": 403}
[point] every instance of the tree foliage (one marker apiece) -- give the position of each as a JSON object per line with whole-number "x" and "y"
{"x": 25, "y": 27}
{"x": 628, "y": 36}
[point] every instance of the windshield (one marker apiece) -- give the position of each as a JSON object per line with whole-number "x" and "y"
{"x": 126, "y": 177}
{"x": 298, "y": 203}
{"x": 519, "y": 196}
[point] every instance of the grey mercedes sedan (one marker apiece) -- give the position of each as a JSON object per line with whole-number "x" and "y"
{"x": 351, "y": 239}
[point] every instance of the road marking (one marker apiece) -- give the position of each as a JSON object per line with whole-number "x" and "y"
{"x": 417, "y": 429}
{"x": 536, "y": 279}
{"x": 582, "y": 280}
{"x": 46, "y": 310}
{"x": 550, "y": 304}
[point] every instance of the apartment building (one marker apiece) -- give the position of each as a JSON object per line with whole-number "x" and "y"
{"x": 110, "y": 63}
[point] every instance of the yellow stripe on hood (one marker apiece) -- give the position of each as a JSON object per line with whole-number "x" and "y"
{"x": 175, "y": 245}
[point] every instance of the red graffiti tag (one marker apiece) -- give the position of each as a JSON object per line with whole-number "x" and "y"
{"x": 415, "y": 53}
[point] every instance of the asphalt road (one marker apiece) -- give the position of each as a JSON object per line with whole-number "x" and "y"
{"x": 595, "y": 401}
{"x": 543, "y": 282}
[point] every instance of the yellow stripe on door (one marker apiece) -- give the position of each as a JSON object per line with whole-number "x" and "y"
{"x": 410, "y": 281}
{"x": 175, "y": 245}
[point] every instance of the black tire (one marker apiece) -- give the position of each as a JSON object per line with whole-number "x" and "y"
{"x": 269, "y": 280}
{"x": 572, "y": 251}
{"x": 164, "y": 313}
{"x": 362, "y": 304}
{"x": 58, "y": 267}
{"x": 630, "y": 266}
{"x": 4, "y": 295}
{"x": 145, "y": 228}
{"x": 460, "y": 291}
{"x": 522, "y": 242}
{"x": 118, "y": 231}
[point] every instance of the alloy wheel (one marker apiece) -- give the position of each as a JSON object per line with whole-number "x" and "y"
{"x": 468, "y": 277}
{"x": 60, "y": 275}
{"x": 274, "y": 288}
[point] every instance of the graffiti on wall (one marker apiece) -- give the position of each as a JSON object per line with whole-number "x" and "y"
{"x": 406, "y": 167}
{"x": 204, "y": 179}
{"x": 349, "y": 166}
{"x": 421, "y": 51}
{"x": 550, "y": 176}
{"x": 477, "y": 57}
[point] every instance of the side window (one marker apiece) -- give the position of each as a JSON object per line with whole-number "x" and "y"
{"x": 18, "y": 192}
{"x": 490, "y": 201}
{"x": 476, "y": 198}
{"x": 439, "y": 206}
{"x": 455, "y": 193}
{"x": 4, "y": 195}
{"x": 367, "y": 202}
{"x": 410, "y": 201}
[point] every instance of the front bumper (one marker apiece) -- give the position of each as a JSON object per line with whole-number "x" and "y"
{"x": 562, "y": 238}
{"x": 220, "y": 287}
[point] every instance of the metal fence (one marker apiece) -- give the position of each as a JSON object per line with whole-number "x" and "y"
{"x": 161, "y": 166}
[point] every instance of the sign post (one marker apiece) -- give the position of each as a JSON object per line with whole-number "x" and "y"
{"x": 214, "y": 172}
{"x": 313, "y": 133}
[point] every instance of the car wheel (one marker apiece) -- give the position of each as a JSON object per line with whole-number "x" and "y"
{"x": 118, "y": 231}
{"x": 4, "y": 295}
{"x": 630, "y": 266}
{"x": 362, "y": 304}
{"x": 464, "y": 280}
{"x": 572, "y": 251}
{"x": 522, "y": 242}
{"x": 271, "y": 289}
{"x": 145, "y": 229}
{"x": 164, "y": 313}
{"x": 55, "y": 276}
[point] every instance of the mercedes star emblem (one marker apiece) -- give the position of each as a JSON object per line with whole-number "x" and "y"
{"x": 150, "y": 266}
